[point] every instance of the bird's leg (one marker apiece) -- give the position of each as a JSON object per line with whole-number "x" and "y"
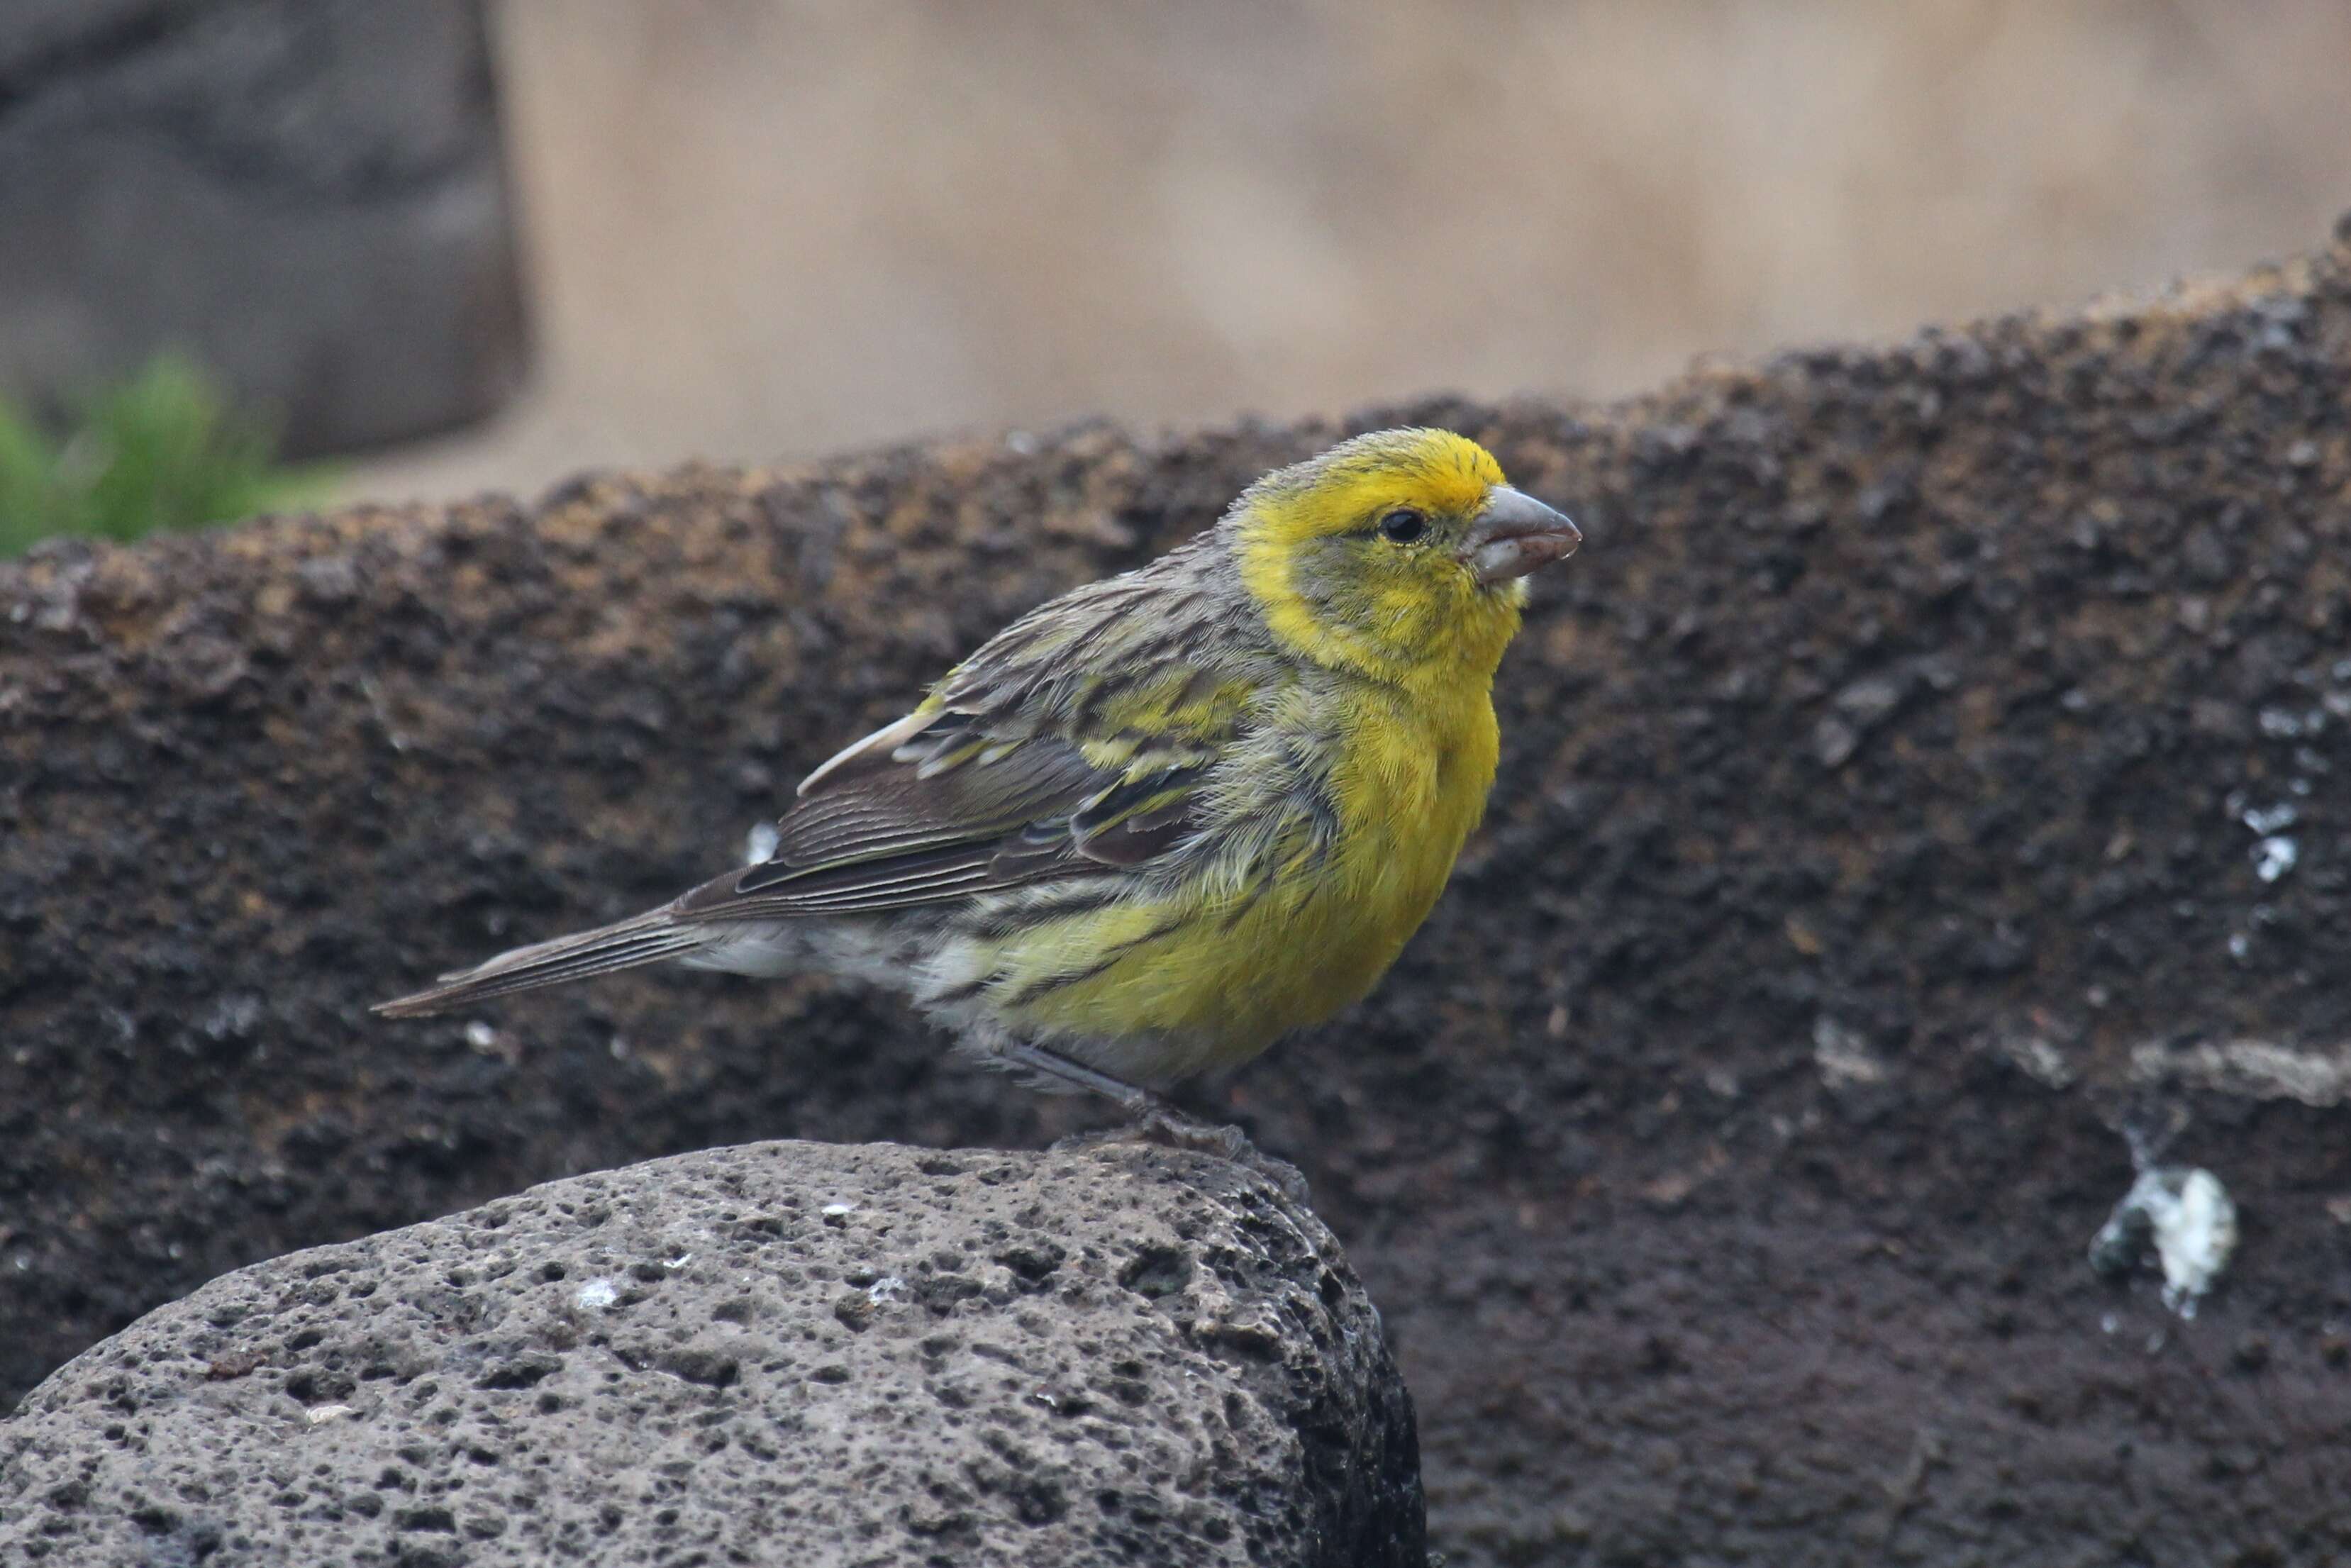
{"x": 1131, "y": 1098}
{"x": 1156, "y": 1121}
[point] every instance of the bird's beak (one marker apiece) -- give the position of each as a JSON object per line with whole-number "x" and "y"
{"x": 1515, "y": 534}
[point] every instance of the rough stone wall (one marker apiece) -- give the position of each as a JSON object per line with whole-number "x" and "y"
{"x": 784, "y": 1353}
{"x": 1870, "y": 852}
{"x": 308, "y": 195}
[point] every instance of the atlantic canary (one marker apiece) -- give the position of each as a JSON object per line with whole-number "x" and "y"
{"x": 1156, "y": 822}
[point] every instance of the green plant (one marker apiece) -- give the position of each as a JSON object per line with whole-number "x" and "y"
{"x": 166, "y": 449}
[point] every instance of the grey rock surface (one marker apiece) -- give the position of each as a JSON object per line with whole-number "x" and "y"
{"x": 783, "y": 1352}
{"x": 326, "y": 176}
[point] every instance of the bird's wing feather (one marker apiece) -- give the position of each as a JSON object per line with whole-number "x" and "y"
{"x": 1076, "y": 741}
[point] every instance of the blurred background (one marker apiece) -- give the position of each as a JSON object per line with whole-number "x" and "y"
{"x": 638, "y": 231}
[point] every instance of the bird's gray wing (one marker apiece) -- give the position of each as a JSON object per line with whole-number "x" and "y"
{"x": 1077, "y": 742}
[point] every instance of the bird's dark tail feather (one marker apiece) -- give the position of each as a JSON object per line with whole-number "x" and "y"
{"x": 645, "y": 938}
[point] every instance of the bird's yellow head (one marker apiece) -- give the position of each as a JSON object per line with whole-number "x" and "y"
{"x": 1401, "y": 555}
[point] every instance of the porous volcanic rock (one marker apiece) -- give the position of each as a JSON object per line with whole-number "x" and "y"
{"x": 786, "y": 1353}
{"x": 1928, "y": 777}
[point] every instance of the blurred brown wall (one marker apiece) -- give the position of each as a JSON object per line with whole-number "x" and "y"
{"x": 762, "y": 227}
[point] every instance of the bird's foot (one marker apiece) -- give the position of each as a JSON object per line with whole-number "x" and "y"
{"x": 1171, "y": 1129}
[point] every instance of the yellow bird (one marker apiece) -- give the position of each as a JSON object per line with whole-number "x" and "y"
{"x": 1159, "y": 821}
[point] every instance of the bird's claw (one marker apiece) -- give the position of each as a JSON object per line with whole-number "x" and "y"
{"x": 1171, "y": 1130}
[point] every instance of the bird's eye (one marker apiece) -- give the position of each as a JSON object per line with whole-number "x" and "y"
{"x": 1403, "y": 525}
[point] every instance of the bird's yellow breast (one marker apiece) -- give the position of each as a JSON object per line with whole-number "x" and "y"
{"x": 1410, "y": 787}
{"x": 1220, "y": 979}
